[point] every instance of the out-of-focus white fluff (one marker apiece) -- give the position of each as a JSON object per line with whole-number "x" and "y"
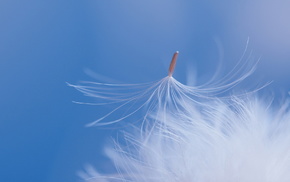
{"x": 189, "y": 135}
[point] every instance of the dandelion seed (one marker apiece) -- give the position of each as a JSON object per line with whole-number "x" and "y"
{"x": 130, "y": 99}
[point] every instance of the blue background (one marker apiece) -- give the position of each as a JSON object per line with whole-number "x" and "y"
{"x": 44, "y": 44}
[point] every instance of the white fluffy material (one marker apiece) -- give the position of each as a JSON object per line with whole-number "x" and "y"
{"x": 189, "y": 135}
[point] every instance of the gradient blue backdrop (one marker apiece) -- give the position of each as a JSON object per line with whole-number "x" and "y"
{"x": 44, "y": 44}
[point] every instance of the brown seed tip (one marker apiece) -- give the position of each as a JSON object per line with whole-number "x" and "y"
{"x": 172, "y": 64}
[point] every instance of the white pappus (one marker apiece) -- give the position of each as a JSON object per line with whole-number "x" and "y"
{"x": 190, "y": 134}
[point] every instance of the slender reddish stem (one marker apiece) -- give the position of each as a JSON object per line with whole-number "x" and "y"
{"x": 173, "y": 63}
